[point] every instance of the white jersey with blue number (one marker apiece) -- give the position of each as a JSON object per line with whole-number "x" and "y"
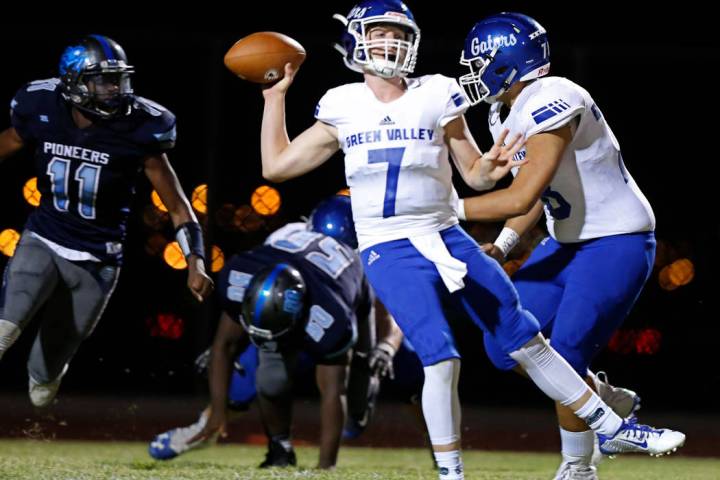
{"x": 592, "y": 194}
{"x": 396, "y": 160}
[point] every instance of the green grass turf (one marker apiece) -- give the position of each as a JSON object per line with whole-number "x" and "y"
{"x": 27, "y": 459}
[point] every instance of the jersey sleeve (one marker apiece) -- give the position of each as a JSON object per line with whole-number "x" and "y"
{"x": 552, "y": 108}
{"x": 25, "y": 106}
{"x": 231, "y": 287}
{"x": 158, "y": 132}
{"x": 330, "y": 108}
{"x": 455, "y": 102}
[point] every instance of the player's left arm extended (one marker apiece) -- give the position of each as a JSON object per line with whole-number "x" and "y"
{"x": 10, "y": 142}
{"x": 543, "y": 154}
{"x": 481, "y": 170}
{"x": 188, "y": 230}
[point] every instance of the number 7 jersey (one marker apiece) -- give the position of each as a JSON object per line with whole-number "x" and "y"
{"x": 396, "y": 159}
{"x": 592, "y": 194}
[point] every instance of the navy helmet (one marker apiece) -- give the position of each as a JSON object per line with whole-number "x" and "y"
{"x": 333, "y": 217}
{"x": 500, "y": 50}
{"x": 274, "y": 303}
{"x": 399, "y": 55}
{"x": 95, "y": 76}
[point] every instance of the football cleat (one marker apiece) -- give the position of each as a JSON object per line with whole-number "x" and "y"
{"x": 174, "y": 442}
{"x": 576, "y": 471}
{"x": 42, "y": 394}
{"x": 635, "y": 437}
{"x": 279, "y": 454}
{"x": 623, "y": 401}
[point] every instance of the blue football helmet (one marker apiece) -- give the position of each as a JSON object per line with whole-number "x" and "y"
{"x": 399, "y": 56}
{"x": 333, "y": 217}
{"x": 95, "y": 77}
{"x": 274, "y": 303}
{"x": 500, "y": 50}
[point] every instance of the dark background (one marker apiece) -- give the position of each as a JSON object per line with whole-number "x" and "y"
{"x": 649, "y": 71}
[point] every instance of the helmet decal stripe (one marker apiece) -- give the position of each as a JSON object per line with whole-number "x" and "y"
{"x": 105, "y": 46}
{"x": 265, "y": 291}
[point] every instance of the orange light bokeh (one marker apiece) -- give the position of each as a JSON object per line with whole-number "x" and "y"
{"x": 218, "y": 259}
{"x": 344, "y": 191}
{"x": 157, "y": 202}
{"x": 174, "y": 257}
{"x": 265, "y": 200}
{"x": 30, "y": 192}
{"x": 8, "y": 241}
{"x": 678, "y": 273}
{"x": 199, "y": 198}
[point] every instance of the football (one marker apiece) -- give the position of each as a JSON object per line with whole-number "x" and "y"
{"x": 261, "y": 57}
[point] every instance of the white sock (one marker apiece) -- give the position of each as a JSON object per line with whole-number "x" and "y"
{"x": 599, "y": 416}
{"x": 577, "y": 447}
{"x": 450, "y": 465}
{"x": 554, "y": 376}
{"x": 440, "y": 402}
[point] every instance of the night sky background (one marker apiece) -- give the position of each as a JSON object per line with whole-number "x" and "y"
{"x": 648, "y": 71}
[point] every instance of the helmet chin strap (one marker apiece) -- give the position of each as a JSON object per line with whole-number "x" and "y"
{"x": 506, "y": 84}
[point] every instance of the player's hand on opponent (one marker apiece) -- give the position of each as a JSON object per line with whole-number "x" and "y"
{"x": 199, "y": 283}
{"x": 216, "y": 425}
{"x": 380, "y": 360}
{"x": 498, "y": 161}
{"x": 281, "y": 86}
{"x": 492, "y": 250}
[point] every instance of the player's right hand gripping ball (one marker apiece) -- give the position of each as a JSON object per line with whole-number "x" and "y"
{"x": 261, "y": 57}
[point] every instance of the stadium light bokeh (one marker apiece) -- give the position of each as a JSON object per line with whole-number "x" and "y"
{"x": 155, "y": 197}
{"x": 265, "y": 200}
{"x": 199, "y": 198}
{"x": 30, "y": 192}
{"x": 8, "y": 241}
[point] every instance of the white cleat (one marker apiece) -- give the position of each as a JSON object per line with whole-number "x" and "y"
{"x": 174, "y": 442}
{"x": 576, "y": 471}
{"x": 634, "y": 437}
{"x": 42, "y": 394}
{"x": 623, "y": 401}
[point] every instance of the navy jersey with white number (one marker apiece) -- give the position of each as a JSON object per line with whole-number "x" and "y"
{"x": 338, "y": 292}
{"x": 86, "y": 177}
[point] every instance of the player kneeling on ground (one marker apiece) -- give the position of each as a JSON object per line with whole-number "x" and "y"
{"x": 301, "y": 291}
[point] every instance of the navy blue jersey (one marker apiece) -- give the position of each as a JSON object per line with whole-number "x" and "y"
{"x": 86, "y": 176}
{"x": 339, "y": 294}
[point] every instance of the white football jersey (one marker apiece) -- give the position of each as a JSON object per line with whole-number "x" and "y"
{"x": 396, "y": 160}
{"x": 592, "y": 194}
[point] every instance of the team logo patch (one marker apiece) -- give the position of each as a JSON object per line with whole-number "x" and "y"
{"x": 549, "y": 110}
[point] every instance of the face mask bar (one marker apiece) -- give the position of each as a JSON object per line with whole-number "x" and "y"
{"x": 475, "y": 89}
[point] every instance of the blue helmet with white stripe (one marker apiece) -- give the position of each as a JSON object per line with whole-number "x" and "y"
{"x": 500, "y": 50}
{"x": 274, "y": 303}
{"x": 333, "y": 217}
{"x": 95, "y": 76}
{"x": 384, "y": 57}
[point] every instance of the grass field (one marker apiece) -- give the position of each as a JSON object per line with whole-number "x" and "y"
{"x": 26, "y": 459}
